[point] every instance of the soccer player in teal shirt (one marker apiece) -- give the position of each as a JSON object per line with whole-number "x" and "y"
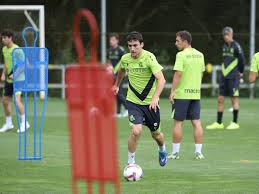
{"x": 146, "y": 82}
{"x": 186, "y": 93}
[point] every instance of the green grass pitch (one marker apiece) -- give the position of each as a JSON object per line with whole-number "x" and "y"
{"x": 231, "y": 164}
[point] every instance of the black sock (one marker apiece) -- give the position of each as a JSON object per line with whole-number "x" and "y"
{"x": 235, "y": 115}
{"x": 219, "y": 117}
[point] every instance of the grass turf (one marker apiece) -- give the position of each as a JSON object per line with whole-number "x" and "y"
{"x": 231, "y": 164}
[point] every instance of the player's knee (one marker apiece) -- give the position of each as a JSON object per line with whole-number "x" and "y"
{"x": 220, "y": 100}
{"x": 154, "y": 135}
{"x": 177, "y": 127}
{"x": 157, "y": 135}
{"x": 18, "y": 99}
{"x": 235, "y": 102}
{"x": 5, "y": 101}
{"x": 136, "y": 130}
{"x": 234, "y": 99}
{"x": 197, "y": 124}
{"x": 18, "y": 102}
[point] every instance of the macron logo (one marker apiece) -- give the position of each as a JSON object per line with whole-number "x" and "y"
{"x": 192, "y": 91}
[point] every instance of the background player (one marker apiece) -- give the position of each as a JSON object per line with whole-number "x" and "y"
{"x": 146, "y": 82}
{"x": 254, "y": 69}
{"x": 186, "y": 92}
{"x": 7, "y": 77}
{"x": 232, "y": 71}
{"x": 115, "y": 53}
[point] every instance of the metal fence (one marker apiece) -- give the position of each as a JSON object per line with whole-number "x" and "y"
{"x": 212, "y": 83}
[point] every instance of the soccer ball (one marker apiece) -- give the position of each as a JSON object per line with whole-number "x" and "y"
{"x": 133, "y": 172}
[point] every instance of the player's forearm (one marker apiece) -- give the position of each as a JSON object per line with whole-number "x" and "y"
{"x": 4, "y": 70}
{"x": 241, "y": 63}
{"x": 121, "y": 74}
{"x": 241, "y": 68}
{"x": 252, "y": 76}
{"x": 160, "y": 86}
{"x": 176, "y": 80}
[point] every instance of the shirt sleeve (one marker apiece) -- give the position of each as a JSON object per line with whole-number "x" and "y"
{"x": 122, "y": 51}
{"x": 241, "y": 58}
{"x": 154, "y": 65}
{"x": 254, "y": 65}
{"x": 117, "y": 67}
{"x": 178, "y": 66}
{"x": 121, "y": 64}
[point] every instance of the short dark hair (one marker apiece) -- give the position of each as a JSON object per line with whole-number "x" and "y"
{"x": 185, "y": 35}
{"x": 8, "y": 33}
{"x": 135, "y": 36}
{"x": 115, "y": 35}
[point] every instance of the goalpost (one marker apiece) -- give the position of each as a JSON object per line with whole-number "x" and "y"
{"x": 41, "y": 24}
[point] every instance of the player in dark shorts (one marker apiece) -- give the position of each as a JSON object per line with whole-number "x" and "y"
{"x": 186, "y": 93}
{"x": 7, "y": 77}
{"x": 146, "y": 82}
{"x": 232, "y": 71}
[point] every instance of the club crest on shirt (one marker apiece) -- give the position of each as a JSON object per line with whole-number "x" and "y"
{"x": 132, "y": 118}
